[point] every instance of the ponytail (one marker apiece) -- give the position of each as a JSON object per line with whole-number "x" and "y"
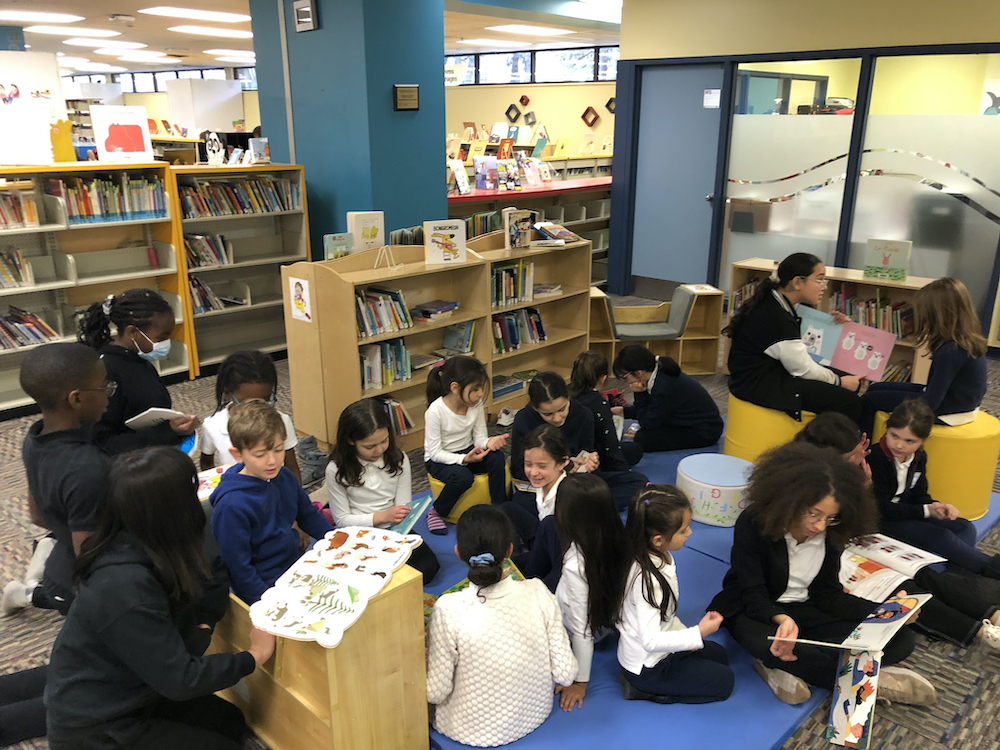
{"x": 657, "y": 509}
{"x": 796, "y": 265}
{"x": 135, "y": 307}
{"x": 633, "y": 358}
{"x": 463, "y": 370}
{"x": 484, "y": 536}
{"x": 588, "y": 369}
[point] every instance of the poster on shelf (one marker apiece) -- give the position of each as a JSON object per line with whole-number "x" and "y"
{"x": 888, "y": 260}
{"x": 301, "y": 304}
{"x": 31, "y": 101}
{"x": 444, "y": 242}
{"x": 121, "y": 133}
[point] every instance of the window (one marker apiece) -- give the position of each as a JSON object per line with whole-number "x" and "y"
{"x": 469, "y": 61}
{"x": 247, "y": 78}
{"x": 81, "y": 79}
{"x": 218, "y": 74}
{"x": 558, "y": 65}
{"x": 607, "y": 64}
{"x": 163, "y": 77}
{"x": 505, "y": 67}
{"x": 189, "y": 74}
{"x": 125, "y": 81}
{"x": 144, "y": 83}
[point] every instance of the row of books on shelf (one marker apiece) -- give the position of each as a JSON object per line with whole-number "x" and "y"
{"x": 91, "y": 200}
{"x": 400, "y": 418}
{"x": 17, "y": 207}
{"x": 381, "y": 311}
{"x": 207, "y": 250}
{"x": 738, "y": 296}
{"x": 482, "y": 223}
{"x": 239, "y": 195}
{"x": 515, "y": 329}
{"x": 874, "y": 311}
{"x": 897, "y": 373}
{"x": 504, "y": 385}
{"x": 21, "y": 328}
{"x": 204, "y": 300}
{"x": 15, "y": 270}
{"x": 390, "y": 361}
{"x": 513, "y": 283}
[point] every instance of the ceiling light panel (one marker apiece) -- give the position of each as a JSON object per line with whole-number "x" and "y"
{"x": 231, "y": 52}
{"x": 70, "y": 31}
{"x": 238, "y": 60}
{"x": 104, "y": 43}
{"x": 139, "y": 53}
{"x": 29, "y": 16}
{"x": 517, "y": 28}
{"x": 161, "y": 60}
{"x": 210, "y": 31}
{"x": 490, "y": 42}
{"x": 68, "y": 62}
{"x": 192, "y": 14}
{"x": 101, "y": 68}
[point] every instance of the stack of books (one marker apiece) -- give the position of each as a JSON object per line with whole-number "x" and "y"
{"x": 504, "y": 385}
{"x": 204, "y": 300}
{"x": 15, "y": 270}
{"x": 512, "y": 283}
{"x": 384, "y": 363}
{"x": 514, "y": 329}
{"x": 434, "y": 310}
{"x": 897, "y": 373}
{"x": 239, "y": 195}
{"x": 207, "y": 250}
{"x": 91, "y": 200}
{"x": 402, "y": 423}
{"x": 381, "y": 311}
{"x": 22, "y": 328}
{"x": 17, "y": 207}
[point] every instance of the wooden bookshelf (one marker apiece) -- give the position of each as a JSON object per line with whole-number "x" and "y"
{"x": 905, "y": 351}
{"x": 324, "y": 352}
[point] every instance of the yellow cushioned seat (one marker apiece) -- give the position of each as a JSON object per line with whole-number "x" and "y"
{"x": 961, "y": 462}
{"x": 752, "y": 429}
{"x": 477, "y": 494}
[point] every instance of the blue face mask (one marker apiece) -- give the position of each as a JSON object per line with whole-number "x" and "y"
{"x": 160, "y": 349}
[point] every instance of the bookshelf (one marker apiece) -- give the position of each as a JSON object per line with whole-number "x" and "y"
{"x": 904, "y": 352}
{"x": 324, "y": 352}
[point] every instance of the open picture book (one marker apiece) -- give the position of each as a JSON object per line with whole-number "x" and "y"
{"x": 850, "y": 347}
{"x": 873, "y": 566}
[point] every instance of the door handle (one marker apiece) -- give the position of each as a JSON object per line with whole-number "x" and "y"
{"x": 710, "y": 197}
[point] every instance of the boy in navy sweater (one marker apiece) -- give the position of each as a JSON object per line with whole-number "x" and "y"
{"x": 257, "y": 502}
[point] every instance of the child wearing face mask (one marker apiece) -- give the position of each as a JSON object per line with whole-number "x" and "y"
{"x": 143, "y": 322}
{"x": 456, "y": 444}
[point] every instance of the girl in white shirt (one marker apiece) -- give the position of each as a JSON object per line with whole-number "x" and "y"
{"x": 241, "y": 377}
{"x": 368, "y": 477}
{"x": 661, "y": 659}
{"x": 497, "y": 648}
{"x": 593, "y": 571}
{"x": 456, "y": 444}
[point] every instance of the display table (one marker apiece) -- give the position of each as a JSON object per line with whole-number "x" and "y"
{"x": 370, "y": 692}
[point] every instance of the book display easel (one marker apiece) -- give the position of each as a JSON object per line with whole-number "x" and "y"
{"x": 325, "y": 346}
{"x": 909, "y": 362}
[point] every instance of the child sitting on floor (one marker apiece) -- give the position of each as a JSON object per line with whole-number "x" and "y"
{"x": 662, "y": 660}
{"x": 257, "y": 501}
{"x": 496, "y": 648}
{"x": 590, "y": 373}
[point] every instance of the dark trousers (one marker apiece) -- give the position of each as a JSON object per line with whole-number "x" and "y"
{"x": 207, "y": 723}
{"x": 423, "y": 559}
{"x": 670, "y": 438}
{"x": 955, "y": 540}
{"x": 546, "y": 556}
{"x": 22, "y": 713}
{"x": 458, "y": 479}
{"x": 884, "y": 397}
{"x": 819, "y": 397}
{"x": 817, "y": 665}
{"x": 51, "y": 595}
{"x": 623, "y": 485}
{"x": 522, "y": 511}
{"x": 956, "y": 612}
{"x": 632, "y": 451}
{"x": 688, "y": 676}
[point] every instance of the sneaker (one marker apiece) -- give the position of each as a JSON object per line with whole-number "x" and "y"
{"x": 900, "y": 685}
{"x": 632, "y": 693}
{"x": 506, "y": 417}
{"x": 787, "y": 687}
{"x": 435, "y": 524}
{"x": 990, "y": 634}
{"x": 16, "y": 595}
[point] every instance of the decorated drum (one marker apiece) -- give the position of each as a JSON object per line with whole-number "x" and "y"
{"x": 715, "y": 484}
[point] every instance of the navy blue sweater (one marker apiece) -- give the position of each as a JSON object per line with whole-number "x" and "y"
{"x": 252, "y": 522}
{"x": 679, "y": 401}
{"x": 956, "y": 382}
{"x": 578, "y": 429}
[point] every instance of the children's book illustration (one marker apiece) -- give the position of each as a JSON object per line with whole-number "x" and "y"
{"x": 851, "y": 347}
{"x": 887, "y": 259}
{"x": 301, "y": 304}
{"x": 444, "y": 242}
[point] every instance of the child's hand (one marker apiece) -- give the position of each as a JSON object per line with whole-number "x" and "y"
{"x": 839, "y": 318}
{"x": 571, "y": 694}
{"x": 867, "y": 470}
{"x": 851, "y": 382}
{"x": 953, "y": 512}
{"x": 592, "y": 462}
{"x": 916, "y": 613}
{"x": 943, "y": 511}
{"x": 498, "y": 442}
{"x": 395, "y": 514}
{"x": 637, "y": 386}
{"x": 476, "y": 454}
{"x": 618, "y": 411}
{"x": 261, "y": 646}
{"x": 709, "y": 623}
{"x": 787, "y": 628}
{"x": 185, "y": 425}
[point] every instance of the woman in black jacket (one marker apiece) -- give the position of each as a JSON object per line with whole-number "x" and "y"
{"x": 768, "y": 362}
{"x": 805, "y": 503}
{"x": 673, "y": 409}
{"x": 128, "y": 670}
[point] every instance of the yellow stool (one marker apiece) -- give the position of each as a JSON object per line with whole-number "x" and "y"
{"x": 961, "y": 462}
{"x": 752, "y": 429}
{"x": 477, "y": 494}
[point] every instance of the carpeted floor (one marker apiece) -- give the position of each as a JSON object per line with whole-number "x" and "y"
{"x": 968, "y": 679}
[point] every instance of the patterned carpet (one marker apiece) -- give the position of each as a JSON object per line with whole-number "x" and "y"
{"x": 967, "y": 679}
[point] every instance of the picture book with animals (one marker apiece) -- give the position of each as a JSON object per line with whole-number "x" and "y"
{"x": 887, "y": 259}
{"x": 851, "y": 347}
{"x": 444, "y": 242}
{"x": 874, "y": 565}
{"x": 337, "y": 245}
{"x": 368, "y": 228}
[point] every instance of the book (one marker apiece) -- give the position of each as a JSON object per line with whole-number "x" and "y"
{"x": 368, "y": 228}
{"x": 504, "y": 385}
{"x": 510, "y": 570}
{"x": 517, "y": 224}
{"x": 608, "y": 145}
{"x": 435, "y": 308}
{"x": 539, "y": 149}
{"x": 545, "y": 172}
{"x": 208, "y": 480}
{"x": 851, "y": 347}
{"x": 259, "y": 151}
{"x": 525, "y": 374}
{"x": 235, "y": 157}
{"x": 446, "y": 353}
{"x": 444, "y": 242}
{"x": 485, "y": 171}
{"x": 556, "y": 231}
{"x": 476, "y": 148}
{"x": 153, "y": 416}
{"x": 588, "y": 145}
{"x": 420, "y": 361}
{"x": 887, "y": 259}
{"x": 508, "y": 175}
{"x": 461, "y": 178}
{"x": 506, "y": 149}
{"x": 873, "y": 566}
{"x": 337, "y": 245}
{"x": 562, "y": 149}
{"x": 418, "y": 506}
{"x": 458, "y": 336}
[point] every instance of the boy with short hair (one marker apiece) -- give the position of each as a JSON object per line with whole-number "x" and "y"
{"x": 257, "y": 501}
{"x": 67, "y": 473}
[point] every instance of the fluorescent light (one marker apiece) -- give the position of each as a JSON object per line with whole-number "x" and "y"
{"x": 489, "y": 42}
{"x": 117, "y": 51}
{"x": 104, "y": 43}
{"x": 209, "y": 31}
{"x": 231, "y": 52}
{"x": 239, "y": 60}
{"x": 519, "y": 28}
{"x": 196, "y": 15}
{"x": 30, "y": 16}
{"x": 69, "y": 31}
{"x": 101, "y": 68}
{"x": 133, "y": 58}
{"x": 68, "y": 62}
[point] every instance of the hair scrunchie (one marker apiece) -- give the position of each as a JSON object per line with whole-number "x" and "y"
{"x": 486, "y": 558}
{"x": 106, "y": 305}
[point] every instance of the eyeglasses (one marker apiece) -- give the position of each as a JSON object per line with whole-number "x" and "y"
{"x": 813, "y": 516}
{"x": 272, "y": 401}
{"x": 821, "y": 282}
{"x": 109, "y": 388}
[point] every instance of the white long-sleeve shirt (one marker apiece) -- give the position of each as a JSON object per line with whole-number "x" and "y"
{"x": 491, "y": 664}
{"x": 794, "y": 356}
{"x": 357, "y": 506}
{"x": 645, "y": 640}
{"x": 545, "y": 502}
{"x": 446, "y": 432}
{"x": 573, "y": 595}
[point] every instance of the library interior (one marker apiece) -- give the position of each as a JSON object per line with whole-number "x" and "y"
{"x": 235, "y": 205}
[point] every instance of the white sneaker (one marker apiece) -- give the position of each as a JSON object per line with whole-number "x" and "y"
{"x": 506, "y": 417}
{"x": 16, "y": 595}
{"x": 33, "y": 576}
{"x": 786, "y": 686}
{"x": 900, "y": 685}
{"x": 990, "y": 634}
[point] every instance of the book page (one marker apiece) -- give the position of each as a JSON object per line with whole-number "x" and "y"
{"x": 819, "y": 333}
{"x": 900, "y": 556}
{"x": 152, "y": 417}
{"x": 881, "y": 625}
{"x": 863, "y": 351}
{"x": 868, "y": 579}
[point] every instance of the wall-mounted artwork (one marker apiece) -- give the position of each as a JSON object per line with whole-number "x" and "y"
{"x": 513, "y": 113}
{"x": 590, "y": 116}
{"x": 529, "y": 118}
{"x": 524, "y": 101}
{"x": 121, "y": 133}
{"x": 610, "y": 106}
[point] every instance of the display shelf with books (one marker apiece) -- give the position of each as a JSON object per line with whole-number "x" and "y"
{"x": 244, "y": 289}
{"x": 880, "y": 303}
{"x": 224, "y": 194}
